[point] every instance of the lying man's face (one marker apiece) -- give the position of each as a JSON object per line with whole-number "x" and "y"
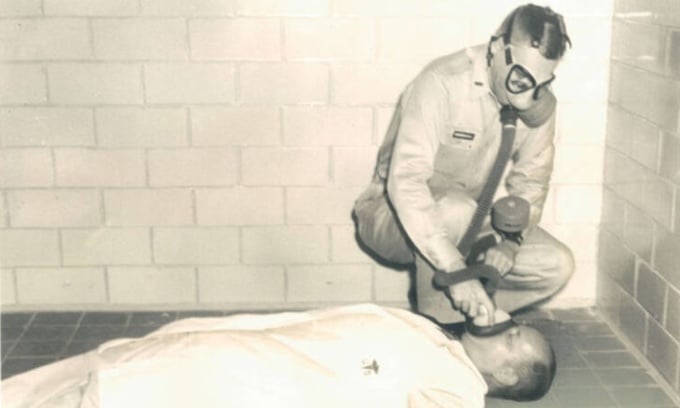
{"x": 517, "y": 363}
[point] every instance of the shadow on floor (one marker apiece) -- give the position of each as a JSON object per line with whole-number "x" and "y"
{"x": 595, "y": 369}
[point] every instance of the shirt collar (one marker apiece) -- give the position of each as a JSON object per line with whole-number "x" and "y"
{"x": 479, "y": 81}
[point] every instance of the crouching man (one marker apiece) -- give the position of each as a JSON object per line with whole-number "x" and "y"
{"x": 351, "y": 356}
{"x": 441, "y": 154}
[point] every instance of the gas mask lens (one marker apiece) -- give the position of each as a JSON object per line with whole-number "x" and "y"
{"x": 519, "y": 80}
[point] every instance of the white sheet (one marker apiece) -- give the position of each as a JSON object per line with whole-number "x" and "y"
{"x": 353, "y": 356}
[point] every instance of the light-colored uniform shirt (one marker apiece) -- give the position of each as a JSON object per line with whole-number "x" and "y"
{"x": 446, "y": 137}
{"x": 352, "y": 356}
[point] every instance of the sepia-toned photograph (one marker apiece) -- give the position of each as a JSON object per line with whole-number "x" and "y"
{"x": 340, "y": 203}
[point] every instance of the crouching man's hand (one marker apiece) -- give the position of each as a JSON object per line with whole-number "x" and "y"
{"x": 470, "y": 298}
{"x": 502, "y": 256}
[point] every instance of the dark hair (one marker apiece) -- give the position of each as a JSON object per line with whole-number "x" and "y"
{"x": 538, "y": 26}
{"x": 534, "y": 380}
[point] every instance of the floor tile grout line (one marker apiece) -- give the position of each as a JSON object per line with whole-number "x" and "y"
{"x": 658, "y": 378}
{"x": 73, "y": 334}
{"x": 18, "y": 339}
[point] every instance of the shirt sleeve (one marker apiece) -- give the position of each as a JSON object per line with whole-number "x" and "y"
{"x": 423, "y": 114}
{"x": 530, "y": 174}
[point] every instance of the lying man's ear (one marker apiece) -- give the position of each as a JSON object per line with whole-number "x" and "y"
{"x": 506, "y": 376}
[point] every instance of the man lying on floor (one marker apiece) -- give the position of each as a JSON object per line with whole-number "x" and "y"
{"x": 350, "y": 356}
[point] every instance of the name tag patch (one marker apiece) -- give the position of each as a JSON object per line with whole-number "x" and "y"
{"x": 459, "y": 134}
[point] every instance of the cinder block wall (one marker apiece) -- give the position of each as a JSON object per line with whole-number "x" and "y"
{"x": 639, "y": 280}
{"x": 206, "y": 153}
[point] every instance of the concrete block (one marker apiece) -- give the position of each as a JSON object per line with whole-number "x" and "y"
{"x": 383, "y": 119}
{"x": 44, "y": 39}
{"x": 46, "y": 127}
{"x": 406, "y": 8}
{"x": 4, "y": 213}
{"x": 311, "y": 8}
{"x": 581, "y": 286}
{"x": 189, "y": 83}
{"x": 638, "y": 232}
{"x": 20, "y": 7}
{"x": 104, "y": 8}
{"x": 149, "y": 285}
{"x": 657, "y": 200}
{"x": 196, "y": 246}
{"x": 353, "y": 166}
{"x": 578, "y": 203}
{"x": 87, "y": 84}
{"x": 581, "y": 123}
{"x": 662, "y": 351}
{"x": 288, "y": 166}
{"x": 641, "y": 45}
{"x": 578, "y": 164}
{"x": 320, "y": 205}
{"x": 22, "y": 84}
{"x": 140, "y": 39}
{"x": 608, "y": 294}
{"x": 329, "y": 39}
{"x": 285, "y": 245}
{"x": 54, "y": 208}
{"x": 617, "y": 261}
{"x": 240, "y": 206}
{"x": 390, "y": 285}
{"x": 667, "y": 255}
{"x": 644, "y": 148}
{"x": 646, "y": 94}
{"x": 624, "y": 176}
{"x": 651, "y": 292}
{"x": 327, "y": 126}
{"x": 106, "y": 246}
{"x": 633, "y": 321}
{"x": 627, "y": 133}
{"x": 674, "y": 54}
{"x": 344, "y": 246}
{"x": 26, "y": 168}
{"x": 340, "y": 283}
{"x": 370, "y": 84}
{"x": 106, "y": 168}
{"x": 672, "y": 312}
{"x": 595, "y": 30}
{"x": 141, "y": 127}
{"x": 421, "y": 39}
{"x": 245, "y": 284}
{"x": 669, "y": 162}
{"x": 237, "y": 126}
{"x": 8, "y": 294}
{"x": 209, "y": 8}
{"x": 140, "y": 207}
{"x": 235, "y": 39}
{"x": 613, "y": 212}
{"x": 30, "y": 247}
{"x": 592, "y": 77}
{"x": 581, "y": 239}
{"x": 193, "y": 167}
{"x": 283, "y": 83}
{"x": 660, "y": 12}
{"x": 61, "y": 286}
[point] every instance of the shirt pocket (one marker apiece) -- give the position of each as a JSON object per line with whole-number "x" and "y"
{"x": 457, "y": 152}
{"x": 460, "y": 137}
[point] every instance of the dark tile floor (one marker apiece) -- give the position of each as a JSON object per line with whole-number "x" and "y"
{"x": 594, "y": 367}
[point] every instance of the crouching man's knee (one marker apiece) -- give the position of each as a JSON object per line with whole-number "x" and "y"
{"x": 454, "y": 212}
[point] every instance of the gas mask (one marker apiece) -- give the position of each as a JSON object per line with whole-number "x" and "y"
{"x": 519, "y": 80}
{"x": 516, "y": 84}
